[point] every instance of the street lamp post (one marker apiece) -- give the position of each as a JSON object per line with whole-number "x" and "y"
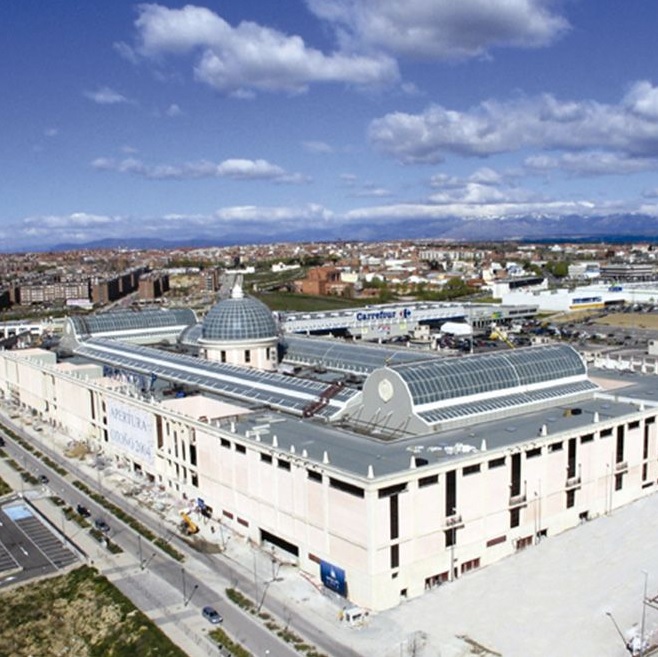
{"x": 644, "y": 613}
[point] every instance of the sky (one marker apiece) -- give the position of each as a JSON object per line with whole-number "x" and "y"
{"x": 170, "y": 120}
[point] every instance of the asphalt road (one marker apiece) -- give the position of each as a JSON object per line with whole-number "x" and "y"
{"x": 194, "y": 589}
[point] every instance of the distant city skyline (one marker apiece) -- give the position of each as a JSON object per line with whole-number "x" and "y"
{"x": 165, "y": 120}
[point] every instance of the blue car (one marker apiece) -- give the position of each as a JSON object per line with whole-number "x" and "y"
{"x": 211, "y": 615}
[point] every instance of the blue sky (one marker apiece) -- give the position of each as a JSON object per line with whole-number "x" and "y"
{"x": 126, "y": 120}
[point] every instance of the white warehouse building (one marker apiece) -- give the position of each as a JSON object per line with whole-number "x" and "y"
{"x": 424, "y": 469}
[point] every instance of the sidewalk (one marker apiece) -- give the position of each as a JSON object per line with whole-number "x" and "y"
{"x": 277, "y": 582}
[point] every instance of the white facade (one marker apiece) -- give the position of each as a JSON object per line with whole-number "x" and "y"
{"x": 393, "y": 535}
{"x": 259, "y": 354}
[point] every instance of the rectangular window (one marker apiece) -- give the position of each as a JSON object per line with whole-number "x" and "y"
{"x": 194, "y": 479}
{"x": 283, "y": 464}
{"x": 451, "y": 493}
{"x": 571, "y": 498}
{"x": 225, "y": 443}
{"x": 532, "y": 453}
{"x": 588, "y": 438}
{"x": 571, "y": 458}
{"x": 247, "y": 355}
{"x": 428, "y": 481}
{"x": 555, "y": 447}
{"x": 314, "y": 476}
{"x": 346, "y": 488}
{"x": 524, "y": 542}
{"x": 392, "y": 490}
{"x": 240, "y": 449}
{"x": 515, "y": 488}
{"x": 619, "y": 455}
{"x": 470, "y": 565}
{"x": 497, "y": 463}
{"x": 228, "y": 514}
{"x": 222, "y": 356}
{"x": 243, "y": 522}
{"x": 266, "y": 458}
{"x": 496, "y": 541}
{"x": 471, "y": 469}
{"x": 395, "y": 556}
{"x": 650, "y": 420}
{"x": 619, "y": 481}
{"x": 451, "y": 537}
{"x": 605, "y": 433}
{"x": 514, "y": 517}
{"x": 393, "y": 512}
{"x": 634, "y": 425}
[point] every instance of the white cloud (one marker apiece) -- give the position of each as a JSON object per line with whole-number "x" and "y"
{"x": 51, "y": 132}
{"x": 77, "y": 226}
{"x": 174, "y": 110}
{"x": 317, "y": 147}
{"x": 106, "y": 96}
{"x": 541, "y": 122}
{"x": 370, "y": 191}
{"x": 248, "y": 58}
{"x": 481, "y": 210}
{"x": 235, "y": 169}
{"x": 483, "y": 187}
{"x": 443, "y": 29}
{"x": 591, "y": 163}
{"x": 303, "y": 214}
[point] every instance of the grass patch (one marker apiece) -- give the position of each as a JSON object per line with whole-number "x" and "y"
{"x": 284, "y": 633}
{"x": 308, "y": 303}
{"x": 239, "y": 599}
{"x": 5, "y": 488}
{"x": 81, "y": 614}
{"x": 222, "y": 639}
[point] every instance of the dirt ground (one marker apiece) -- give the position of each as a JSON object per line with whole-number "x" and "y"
{"x": 622, "y": 320}
{"x": 631, "y": 320}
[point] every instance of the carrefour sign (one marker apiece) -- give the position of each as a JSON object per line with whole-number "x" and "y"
{"x": 130, "y": 429}
{"x": 379, "y": 315}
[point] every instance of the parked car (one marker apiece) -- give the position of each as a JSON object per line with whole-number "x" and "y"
{"x": 211, "y": 615}
{"x": 101, "y": 525}
{"x": 83, "y": 510}
{"x": 43, "y": 479}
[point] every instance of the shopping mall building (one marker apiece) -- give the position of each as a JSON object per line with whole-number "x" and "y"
{"x": 380, "y": 472}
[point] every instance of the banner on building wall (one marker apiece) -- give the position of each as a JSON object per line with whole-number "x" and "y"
{"x": 131, "y": 430}
{"x": 333, "y": 578}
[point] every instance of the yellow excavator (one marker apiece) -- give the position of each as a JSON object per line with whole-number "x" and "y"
{"x": 188, "y": 525}
{"x": 499, "y": 334}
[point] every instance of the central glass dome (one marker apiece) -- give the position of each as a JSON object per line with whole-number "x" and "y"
{"x": 238, "y": 318}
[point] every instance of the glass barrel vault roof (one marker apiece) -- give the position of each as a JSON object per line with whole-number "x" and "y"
{"x": 437, "y": 380}
{"x": 269, "y": 388}
{"x": 357, "y": 358}
{"x": 132, "y": 320}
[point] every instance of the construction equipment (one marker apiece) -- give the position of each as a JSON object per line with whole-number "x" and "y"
{"x": 498, "y": 333}
{"x": 188, "y": 525}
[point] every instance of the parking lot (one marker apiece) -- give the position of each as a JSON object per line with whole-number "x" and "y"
{"x": 29, "y": 546}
